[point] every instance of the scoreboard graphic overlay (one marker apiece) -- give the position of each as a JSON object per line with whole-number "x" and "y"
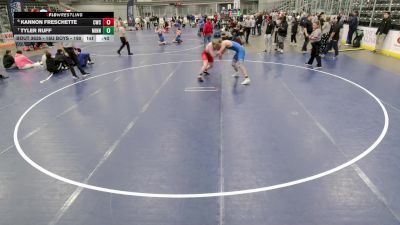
{"x": 63, "y": 26}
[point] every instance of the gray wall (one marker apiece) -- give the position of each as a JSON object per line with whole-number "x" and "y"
{"x": 268, "y": 4}
{"x": 208, "y": 9}
{"x": 119, "y": 10}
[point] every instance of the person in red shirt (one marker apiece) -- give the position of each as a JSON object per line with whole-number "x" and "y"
{"x": 207, "y": 31}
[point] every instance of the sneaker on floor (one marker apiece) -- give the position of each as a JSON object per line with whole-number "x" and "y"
{"x": 307, "y": 64}
{"x": 85, "y": 74}
{"x": 119, "y": 53}
{"x": 246, "y": 81}
{"x": 318, "y": 67}
{"x": 347, "y": 44}
{"x": 130, "y": 53}
{"x": 206, "y": 73}
{"x": 90, "y": 62}
{"x": 303, "y": 51}
{"x": 235, "y": 75}
{"x": 322, "y": 55}
{"x": 75, "y": 77}
{"x": 200, "y": 79}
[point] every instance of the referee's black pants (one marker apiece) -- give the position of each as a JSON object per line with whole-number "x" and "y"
{"x": 124, "y": 42}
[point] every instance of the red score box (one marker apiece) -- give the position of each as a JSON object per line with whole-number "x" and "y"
{"x": 108, "y": 21}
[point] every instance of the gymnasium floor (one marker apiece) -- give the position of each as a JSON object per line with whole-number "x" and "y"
{"x": 140, "y": 141}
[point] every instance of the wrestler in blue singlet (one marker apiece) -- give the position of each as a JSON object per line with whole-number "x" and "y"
{"x": 240, "y": 52}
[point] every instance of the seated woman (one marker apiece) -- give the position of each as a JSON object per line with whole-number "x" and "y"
{"x": 8, "y": 60}
{"x": 66, "y": 62}
{"x": 24, "y": 62}
{"x": 83, "y": 58}
{"x": 52, "y": 65}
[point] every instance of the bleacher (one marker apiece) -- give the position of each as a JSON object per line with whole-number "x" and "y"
{"x": 373, "y": 15}
{"x": 369, "y": 14}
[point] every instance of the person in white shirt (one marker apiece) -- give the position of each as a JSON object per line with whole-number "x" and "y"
{"x": 253, "y": 25}
{"x": 122, "y": 37}
{"x": 247, "y": 28}
{"x": 147, "y": 19}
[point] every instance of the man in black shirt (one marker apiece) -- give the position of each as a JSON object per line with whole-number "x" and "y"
{"x": 269, "y": 32}
{"x": 259, "y": 21}
{"x": 333, "y": 38}
{"x": 353, "y": 24}
{"x": 65, "y": 61}
{"x": 382, "y": 31}
{"x": 8, "y": 60}
{"x": 70, "y": 53}
{"x": 52, "y": 65}
{"x": 307, "y": 25}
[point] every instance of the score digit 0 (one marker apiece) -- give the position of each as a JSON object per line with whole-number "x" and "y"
{"x": 108, "y": 21}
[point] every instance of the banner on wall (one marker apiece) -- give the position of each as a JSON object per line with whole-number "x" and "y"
{"x": 397, "y": 40}
{"x": 369, "y": 36}
{"x": 13, "y": 6}
{"x": 129, "y": 16}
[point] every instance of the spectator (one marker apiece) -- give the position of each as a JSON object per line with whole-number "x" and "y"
{"x": 353, "y": 23}
{"x": 253, "y": 25}
{"x": 83, "y": 58}
{"x": 326, "y": 28}
{"x": 52, "y": 65}
{"x": 308, "y": 29}
{"x": 24, "y": 62}
{"x": 69, "y": 49}
{"x": 315, "y": 38}
{"x": 269, "y": 32}
{"x": 61, "y": 58}
{"x": 67, "y": 62}
{"x": 247, "y": 28}
{"x": 147, "y": 19}
{"x": 8, "y": 60}
{"x": 282, "y": 33}
{"x": 259, "y": 21}
{"x": 383, "y": 30}
{"x": 207, "y": 31}
{"x": 201, "y": 26}
{"x": 44, "y": 58}
{"x": 333, "y": 38}
{"x": 295, "y": 26}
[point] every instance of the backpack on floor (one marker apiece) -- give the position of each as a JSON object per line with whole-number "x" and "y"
{"x": 358, "y": 38}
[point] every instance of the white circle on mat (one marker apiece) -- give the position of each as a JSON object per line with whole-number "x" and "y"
{"x": 203, "y": 195}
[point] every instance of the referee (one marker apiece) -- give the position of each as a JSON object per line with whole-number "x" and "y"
{"x": 122, "y": 37}
{"x": 69, "y": 49}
